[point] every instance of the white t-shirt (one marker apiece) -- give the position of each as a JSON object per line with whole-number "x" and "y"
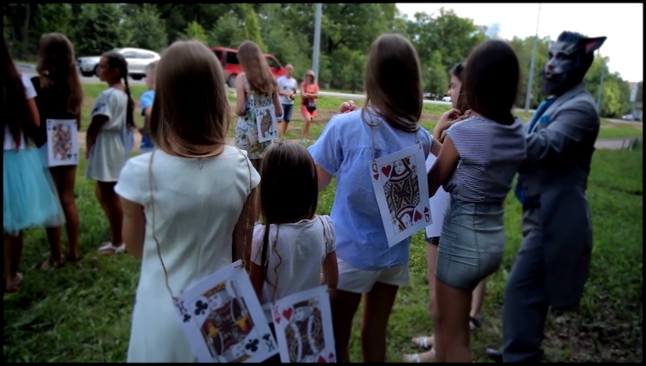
{"x": 197, "y": 204}
{"x": 439, "y": 204}
{"x": 109, "y": 152}
{"x": 294, "y": 257}
{"x": 30, "y": 93}
{"x": 287, "y": 85}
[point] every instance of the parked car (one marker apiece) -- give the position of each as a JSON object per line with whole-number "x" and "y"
{"x": 137, "y": 59}
{"x": 229, "y": 59}
{"x": 446, "y": 98}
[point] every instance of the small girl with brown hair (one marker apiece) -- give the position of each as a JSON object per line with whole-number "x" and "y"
{"x": 294, "y": 244}
{"x": 107, "y": 142}
{"x": 59, "y": 97}
{"x": 255, "y": 87}
{"x": 187, "y": 203}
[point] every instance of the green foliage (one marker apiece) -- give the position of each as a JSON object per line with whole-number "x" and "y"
{"x": 195, "y": 31}
{"x": 147, "y": 29}
{"x": 252, "y": 28}
{"x": 227, "y": 32}
{"x": 98, "y": 29}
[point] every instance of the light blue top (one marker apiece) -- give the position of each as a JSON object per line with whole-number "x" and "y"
{"x": 490, "y": 155}
{"x": 344, "y": 149}
{"x": 146, "y": 101}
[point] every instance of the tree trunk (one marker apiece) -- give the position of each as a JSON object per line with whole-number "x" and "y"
{"x": 25, "y": 31}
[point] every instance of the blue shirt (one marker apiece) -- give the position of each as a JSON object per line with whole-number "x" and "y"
{"x": 146, "y": 101}
{"x": 344, "y": 149}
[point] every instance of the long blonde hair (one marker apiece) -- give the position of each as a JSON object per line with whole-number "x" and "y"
{"x": 255, "y": 66}
{"x": 393, "y": 82}
{"x": 190, "y": 114}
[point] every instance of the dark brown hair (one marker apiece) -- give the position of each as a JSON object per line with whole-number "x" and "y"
{"x": 491, "y": 81}
{"x": 393, "y": 82}
{"x": 16, "y": 113}
{"x": 116, "y": 60}
{"x": 57, "y": 70}
{"x": 458, "y": 72}
{"x": 289, "y": 189}
{"x": 256, "y": 68}
{"x": 190, "y": 114}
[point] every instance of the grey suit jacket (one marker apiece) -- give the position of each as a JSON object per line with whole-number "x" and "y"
{"x": 559, "y": 153}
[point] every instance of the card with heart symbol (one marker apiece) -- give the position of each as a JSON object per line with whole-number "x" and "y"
{"x": 303, "y": 325}
{"x": 266, "y": 123}
{"x": 223, "y": 320}
{"x": 401, "y": 190}
{"x": 62, "y": 142}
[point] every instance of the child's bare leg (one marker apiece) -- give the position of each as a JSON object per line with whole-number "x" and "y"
{"x": 12, "y": 256}
{"x": 113, "y": 211}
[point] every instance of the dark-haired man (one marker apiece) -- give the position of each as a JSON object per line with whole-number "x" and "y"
{"x": 551, "y": 267}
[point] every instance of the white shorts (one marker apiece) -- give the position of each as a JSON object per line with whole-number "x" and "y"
{"x": 360, "y": 281}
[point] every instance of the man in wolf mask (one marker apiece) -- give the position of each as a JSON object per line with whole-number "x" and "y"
{"x": 551, "y": 267}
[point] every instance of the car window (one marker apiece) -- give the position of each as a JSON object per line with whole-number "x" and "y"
{"x": 145, "y": 55}
{"x": 218, "y": 55}
{"x": 129, "y": 54}
{"x": 232, "y": 58}
{"x": 272, "y": 62}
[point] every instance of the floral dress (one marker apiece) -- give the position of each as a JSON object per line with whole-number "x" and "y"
{"x": 247, "y": 131}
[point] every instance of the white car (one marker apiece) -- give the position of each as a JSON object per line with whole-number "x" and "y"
{"x": 446, "y": 99}
{"x": 137, "y": 59}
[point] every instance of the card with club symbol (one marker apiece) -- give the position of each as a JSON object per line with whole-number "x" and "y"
{"x": 62, "y": 142}
{"x": 400, "y": 184}
{"x": 223, "y": 320}
{"x": 303, "y": 323}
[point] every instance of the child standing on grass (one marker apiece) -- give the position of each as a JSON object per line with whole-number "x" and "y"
{"x": 29, "y": 197}
{"x": 112, "y": 117}
{"x": 146, "y": 103}
{"x": 59, "y": 96}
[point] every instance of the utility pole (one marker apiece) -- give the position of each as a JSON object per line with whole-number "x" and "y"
{"x": 600, "y": 92}
{"x": 528, "y": 95}
{"x": 317, "y": 41}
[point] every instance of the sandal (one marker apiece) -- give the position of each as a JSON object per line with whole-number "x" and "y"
{"x": 14, "y": 285}
{"x": 474, "y": 323}
{"x": 48, "y": 264}
{"x": 75, "y": 261}
{"x": 107, "y": 248}
{"x": 426, "y": 357}
{"x": 424, "y": 342}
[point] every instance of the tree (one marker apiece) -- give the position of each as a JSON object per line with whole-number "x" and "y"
{"x": 195, "y": 31}
{"x": 353, "y": 69}
{"x": 252, "y": 28}
{"x": 434, "y": 75}
{"x": 227, "y": 32}
{"x": 98, "y": 29}
{"x": 148, "y": 30}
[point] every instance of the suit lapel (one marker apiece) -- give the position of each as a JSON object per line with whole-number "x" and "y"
{"x": 557, "y": 104}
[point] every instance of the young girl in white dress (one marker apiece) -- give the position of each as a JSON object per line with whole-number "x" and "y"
{"x": 106, "y": 145}
{"x": 294, "y": 245}
{"x": 186, "y": 204}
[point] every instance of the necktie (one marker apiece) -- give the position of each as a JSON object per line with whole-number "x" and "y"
{"x": 520, "y": 191}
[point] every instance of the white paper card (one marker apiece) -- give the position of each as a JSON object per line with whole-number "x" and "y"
{"x": 439, "y": 204}
{"x": 223, "y": 320}
{"x": 303, "y": 323}
{"x": 267, "y": 124}
{"x": 401, "y": 188}
{"x": 62, "y": 142}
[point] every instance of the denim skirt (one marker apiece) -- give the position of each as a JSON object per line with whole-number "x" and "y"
{"x": 472, "y": 243}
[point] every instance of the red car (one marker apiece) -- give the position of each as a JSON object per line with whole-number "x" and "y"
{"x": 229, "y": 59}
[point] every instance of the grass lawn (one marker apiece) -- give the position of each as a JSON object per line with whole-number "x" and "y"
{"x": 83, "y": 315}
{"x": 328, "y": 106}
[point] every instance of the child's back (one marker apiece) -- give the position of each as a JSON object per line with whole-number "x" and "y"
{"x": 294, "y": 256}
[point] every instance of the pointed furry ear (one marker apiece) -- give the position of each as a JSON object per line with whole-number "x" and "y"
{"x": 593, "y": 44}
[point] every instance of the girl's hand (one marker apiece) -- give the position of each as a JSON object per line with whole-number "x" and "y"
{"x": 449, "y": 115}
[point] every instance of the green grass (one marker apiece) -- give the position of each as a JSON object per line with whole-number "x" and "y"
{"x": 328, "y": 106}
{"x": 83, "y": 315}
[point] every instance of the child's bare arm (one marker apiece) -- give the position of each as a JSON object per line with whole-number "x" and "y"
{"x": 330, "y": 271}
{"x": 93, "y": 131}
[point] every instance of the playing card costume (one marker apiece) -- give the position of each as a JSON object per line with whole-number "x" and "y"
{"x": 551, "y": 267}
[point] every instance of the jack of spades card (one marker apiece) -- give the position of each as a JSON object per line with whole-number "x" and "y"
{"x": 63, "y": 142}
{"x": 223, "y": 322}
{"x": 401, "y": 189}
{"x": 304, "y": 327}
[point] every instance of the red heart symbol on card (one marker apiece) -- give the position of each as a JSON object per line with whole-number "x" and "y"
{"x": 418, "y": 216}
{"x": 376, "y": 176}
{"x": 425, "y": 210}
{"x": 386, "y": 170}
{"x": 331, "y": 357}
{"x": 320, "y": 360}
{"x": 287, "y": 313}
